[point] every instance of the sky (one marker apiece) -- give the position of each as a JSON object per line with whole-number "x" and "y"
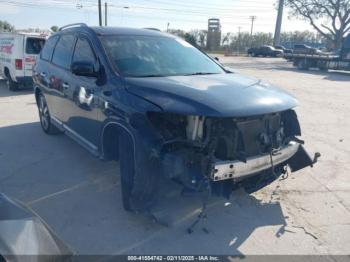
{"x": 180, "y": 14}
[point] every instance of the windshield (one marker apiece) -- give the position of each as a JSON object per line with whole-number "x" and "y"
{"x": 147, "y": 56}
{"x": 34, "y": 45}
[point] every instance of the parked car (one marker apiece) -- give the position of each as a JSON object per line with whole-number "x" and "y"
{"x": 282, "y": 48}
{"x": 305, "y": 49}
{"x": 166, "y": 110}
{"x": 18, "y": 53}
{"x": 265, "y": 50}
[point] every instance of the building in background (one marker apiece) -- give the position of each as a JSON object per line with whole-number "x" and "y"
{"x": 214, "y": 34}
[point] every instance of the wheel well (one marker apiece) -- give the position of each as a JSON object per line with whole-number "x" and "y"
{"x": 110, "y": 140}
{"x": 37, "y": 93}
{"x": 6, "y": 72}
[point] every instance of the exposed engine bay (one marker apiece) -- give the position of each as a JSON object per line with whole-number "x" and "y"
{"x": 225, "y": 151}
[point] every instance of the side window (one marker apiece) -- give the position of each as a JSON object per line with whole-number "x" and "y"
{"x": 83, "y": 52}
{"x": 63, "y": 51}
{"x": 46, "y": 53}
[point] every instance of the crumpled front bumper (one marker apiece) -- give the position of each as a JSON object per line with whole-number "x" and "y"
{"x": 237, "y": 169}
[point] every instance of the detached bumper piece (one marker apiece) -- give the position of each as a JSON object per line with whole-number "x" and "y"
{"x": 23, "y": 235}
{"x": 293, "y": 154}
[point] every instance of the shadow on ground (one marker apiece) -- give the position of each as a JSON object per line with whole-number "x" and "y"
{"x": 4, "y": 92}
{"x": 79, "y": 197}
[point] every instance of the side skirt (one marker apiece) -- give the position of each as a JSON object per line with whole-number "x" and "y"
{"x": 93, "y": 149}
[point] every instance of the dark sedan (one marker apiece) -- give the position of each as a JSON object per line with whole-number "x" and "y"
{"x": 306, "y": 50}
{"x": 266, "y": 51}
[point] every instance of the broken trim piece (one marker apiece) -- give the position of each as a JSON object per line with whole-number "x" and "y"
{"x": 237, "y": 169}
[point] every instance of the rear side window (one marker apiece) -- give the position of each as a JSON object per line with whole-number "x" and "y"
{"x": 34, "y": 45}
{"x": 83, "y": 52}
{"x": 63, "y": 51}
{"x": 46, "y": 53}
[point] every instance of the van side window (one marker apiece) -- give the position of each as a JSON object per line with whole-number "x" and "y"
{"x": 46, "y": 53}
{"x": 34, "y": 45}
{"x": 83, "y": 52}
{"x": 63, "y": 51}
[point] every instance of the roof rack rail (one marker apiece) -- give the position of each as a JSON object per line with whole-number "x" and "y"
{"x": 152, "y": 28}
{"x": 72, "y": 25}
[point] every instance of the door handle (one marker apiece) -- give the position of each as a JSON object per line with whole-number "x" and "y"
{"x": 43, "y": 74}
{"x": 65, "y": 85}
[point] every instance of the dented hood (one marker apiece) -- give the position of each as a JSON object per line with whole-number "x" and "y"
{"x": 219, "y": 95}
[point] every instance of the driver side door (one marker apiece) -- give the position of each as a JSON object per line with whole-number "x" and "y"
{"x": 82, "y": 110}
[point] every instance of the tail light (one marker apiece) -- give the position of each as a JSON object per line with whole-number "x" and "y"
{"x": 19, "y": 64}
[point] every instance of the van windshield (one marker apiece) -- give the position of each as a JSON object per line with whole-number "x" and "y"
{"x": 153, "y": 56}
{"x": 34, "y": 45}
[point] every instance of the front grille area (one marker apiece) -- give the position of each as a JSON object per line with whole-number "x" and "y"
{"x": 242, "y": 138}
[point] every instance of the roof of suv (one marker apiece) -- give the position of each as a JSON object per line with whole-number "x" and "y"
{"x": 116, "y": 30}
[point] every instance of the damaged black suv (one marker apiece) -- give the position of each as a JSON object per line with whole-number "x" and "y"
{"x": 165, "y": 110}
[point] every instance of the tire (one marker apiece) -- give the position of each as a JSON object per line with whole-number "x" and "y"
{"x": 127, "y": 169}
{"x": 45, "y": 118}
{"x": 11, "y": 85}
{"x": 302, "y": 65}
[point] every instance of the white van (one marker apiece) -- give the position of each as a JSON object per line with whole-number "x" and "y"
{"x": 18, "y": 53}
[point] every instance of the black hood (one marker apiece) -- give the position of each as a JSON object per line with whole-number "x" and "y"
{"x": 219, "y": 95}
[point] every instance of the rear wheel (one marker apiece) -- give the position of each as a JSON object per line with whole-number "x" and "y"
{"x": 11, "y": 85}
{"x": 302, "y": 65}
{"x": 45, "y": 118}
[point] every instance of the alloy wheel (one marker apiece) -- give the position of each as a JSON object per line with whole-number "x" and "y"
{"x": 44, "y": 113}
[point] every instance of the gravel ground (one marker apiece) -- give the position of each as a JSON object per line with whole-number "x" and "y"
{"x": 79, "y": 196}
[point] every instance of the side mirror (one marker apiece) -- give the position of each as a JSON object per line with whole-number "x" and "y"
{"x": 84, "y": 69}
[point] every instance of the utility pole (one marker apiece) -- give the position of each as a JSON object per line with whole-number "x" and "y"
{"x": 167, "y": 27}
{"x": 105, "y": 13}
{"x": 277, "y": 36}
{"x": 99, "y": 13}
{"x": 239, "y": 39}
{"x": 253, "y": 18}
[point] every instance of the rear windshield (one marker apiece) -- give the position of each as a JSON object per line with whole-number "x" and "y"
{"x": 34, "y": 45}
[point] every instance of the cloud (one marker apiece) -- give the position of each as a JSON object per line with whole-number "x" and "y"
{"x": 10, "y": 10}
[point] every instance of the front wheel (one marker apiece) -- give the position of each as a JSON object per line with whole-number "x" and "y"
{"x": 127, "y": 169}
{"x": 45, "y": 118}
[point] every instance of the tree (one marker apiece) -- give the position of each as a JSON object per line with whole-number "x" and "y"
{"x": 191, "y": 39}
{"x": 200, "y": 36}
{"x": 336, "y": 14}
{"x": 54, "y": 28}
{"x": 6, "y": 27}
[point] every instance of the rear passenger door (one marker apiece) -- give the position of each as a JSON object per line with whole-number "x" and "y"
{"x": 42, "y": 71}
{"x": 81, "y": 108}
{"x": 60, "y": 78}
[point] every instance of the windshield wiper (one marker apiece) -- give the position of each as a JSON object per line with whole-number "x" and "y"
{"x": 201, "y": 73}
{"x": 151, "y": 75}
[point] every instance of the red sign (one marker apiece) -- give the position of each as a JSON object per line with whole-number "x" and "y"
{"x": 6, "y": 49}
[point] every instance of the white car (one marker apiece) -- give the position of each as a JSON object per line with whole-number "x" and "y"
{"x": 18, "y": 54}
